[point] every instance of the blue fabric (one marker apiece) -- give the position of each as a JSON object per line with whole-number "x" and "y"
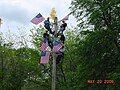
{"x": 43, "y": 53}
{"x": 39, "y": 15}
{"x": 59, "y": 57}
{"x": 47, "y": 26}
{"x": 47, "y": 23}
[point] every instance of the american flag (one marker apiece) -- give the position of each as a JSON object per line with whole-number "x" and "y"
{"x": 57, "y": 45}
{"x": 65, "y": 18}
{"x": 44, "y": 57}
{"x": 36, "y": 20}
{"x": 44, "y": 45}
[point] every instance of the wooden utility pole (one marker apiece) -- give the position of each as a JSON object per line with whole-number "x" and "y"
{"x": 54, "y": 57}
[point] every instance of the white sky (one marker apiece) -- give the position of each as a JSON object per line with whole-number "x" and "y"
{"x": 18, "y": 13}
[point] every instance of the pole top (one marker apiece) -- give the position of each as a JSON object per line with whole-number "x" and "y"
{"x": 56, "y": 26}
{"x": 53, "y": 14}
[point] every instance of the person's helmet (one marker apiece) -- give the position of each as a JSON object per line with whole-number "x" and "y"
{"x": 48, "y": 18}
{"x": 63, "y": 21}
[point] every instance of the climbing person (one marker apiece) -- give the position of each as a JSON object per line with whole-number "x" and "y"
{"x": 62, "y": 38}
{"x": 60, "y": 55}
{"x": 47, "y": 25}
{"x": 47, "y": 37}
{"x": 62, "y": 27}
{"x": 58, "y": 47}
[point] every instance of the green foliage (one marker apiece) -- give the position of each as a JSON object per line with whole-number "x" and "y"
{"x": 37, "y": 36}
{"x": 18, "y": 67}
{"x": 99, "y": 51}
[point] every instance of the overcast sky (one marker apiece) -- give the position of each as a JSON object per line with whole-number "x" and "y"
{"x": 18, "y": 13}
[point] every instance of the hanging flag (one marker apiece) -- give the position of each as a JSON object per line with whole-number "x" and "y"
{"x": 44, "y": 45}
{"x": 44, "y": 57}
{"x": 57, "y": 45}
{"x": 36, "y": 20}
{"x": 65, "y": 18}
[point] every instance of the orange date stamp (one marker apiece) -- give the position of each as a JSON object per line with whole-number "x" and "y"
{"x": 101, "y": 81}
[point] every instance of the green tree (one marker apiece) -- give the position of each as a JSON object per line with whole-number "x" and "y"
{"x": 99, "y": 51}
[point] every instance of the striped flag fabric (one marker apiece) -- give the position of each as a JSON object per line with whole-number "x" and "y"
{"x": 44, "y": 45}
{"x": 57, "y": 45}
{"x": 65, "y": 18}
{"x": 44, "y": 57}
{"x": 37, "y": 19}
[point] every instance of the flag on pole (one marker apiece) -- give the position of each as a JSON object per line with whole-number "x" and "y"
{"x": 44, "y": 45}
{"x": 36, "y": 20}
{"x": 44, "y": 57}
{"x": 65, "y": 18}
{"x": 57, "y": 45}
